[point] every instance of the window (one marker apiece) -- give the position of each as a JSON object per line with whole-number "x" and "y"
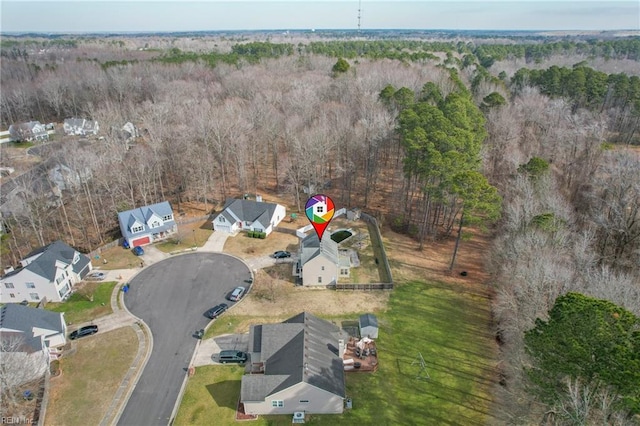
{"x": 322, "y": 268}
{"x": 34, "y": 296}
{"x": 167, "y": 217}
{"x": 76, "y": 258}
{"x": 137, "y": 228}
{"x": 221, "y": 219}
{"x": 59, "y": 279}
{"x": 8, "y": 285}
{"x": 304, "y": 401}
{"x": 31, "y": 285}
{"x": 344, "y": 271}
{"x": 319, "y": 280}
{"x": 11, "y": 295}
{"x": 155, "y": 224}
{"x": 277, "y": 403}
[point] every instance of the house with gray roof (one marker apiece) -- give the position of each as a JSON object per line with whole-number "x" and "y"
{"x": 48, "y": 272}
{"x": 30, "y": 339}
{"x": 147, "y": 224}
{"x": 295, "y": 366}
{"x": 32, "y": 130}
{"x": 80, "y": 126}
{"x": 320, "y": 262}
{"x": 248, "y": 215}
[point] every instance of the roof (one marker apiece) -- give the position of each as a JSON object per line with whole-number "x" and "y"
{"x": 248, "y": 211}
{"x": 45, "y": 264}
{"x": 142, "y": 214}
{"x": 368, "y": 320}
{"x": 15, "y": 317}
{"x": 312, "y": 247}
{"x": 303, "y": 348}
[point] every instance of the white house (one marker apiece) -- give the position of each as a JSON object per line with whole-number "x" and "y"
{"x": 320, "y": 262}
{"x": 247, "y": 215}
{"x": 299, "y": 367}
{"x": 30, "y": 338}
{"x": 147, "y": 224}
{"x": 80, "y": 126}
{"x": 33, "y": 130}
{"x": 50, "y": 271}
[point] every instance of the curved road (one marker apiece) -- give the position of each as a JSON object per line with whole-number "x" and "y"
{"x": 171, "y": 297}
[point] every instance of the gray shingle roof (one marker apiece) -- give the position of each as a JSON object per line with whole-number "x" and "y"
{"x": 311, "y": 246}
{"x": 303, "y": 348}
{"x": 45, "y": 264}
{"x": 368, "y": 320}
{"x": 14, "y": 316}
{"x": 249, "y": 211}
{"x": 141, "y": 214}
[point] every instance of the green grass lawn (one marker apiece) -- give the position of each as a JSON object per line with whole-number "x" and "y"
{"x": 78, "y": 308}
{"x": 450, "y": 329}
{"x": 90, "y": 378}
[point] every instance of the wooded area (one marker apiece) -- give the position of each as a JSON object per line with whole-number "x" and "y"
{"x": 426, "y": 136}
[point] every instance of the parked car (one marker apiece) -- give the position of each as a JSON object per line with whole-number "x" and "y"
{"x": 237, "y": 294}
{"x": 84, "y": 331}
{"x": 95, "y": 276}
{"x": 216, "y": 311}
{"x": 138, "y": 251}
{"x": 281, "y": 254}
{"x": 238, "y": 357}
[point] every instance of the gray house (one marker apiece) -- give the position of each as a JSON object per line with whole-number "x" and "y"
{"x": 321, "y": 263}
{"x": 50, "y": 271}
{"x": 248, "y": 215}
{"x": 147, "y": 224}
{"x": 80, "y": 126}
{"x": 30, "y": 338}
{"x": 32, "y": 130}
{"x": 296, "y": 366}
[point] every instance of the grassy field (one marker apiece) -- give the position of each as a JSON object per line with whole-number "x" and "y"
{"x": 451, "y": 331}
{"x": 78, "y": 308}
{"x": 117, "y": 258}
{"x": 90, "y": 378}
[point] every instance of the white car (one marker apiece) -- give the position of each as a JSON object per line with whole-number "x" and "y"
{"x": 95, "y": 276}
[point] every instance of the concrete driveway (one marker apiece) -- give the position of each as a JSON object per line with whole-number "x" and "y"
{"x": 171, "y": 297}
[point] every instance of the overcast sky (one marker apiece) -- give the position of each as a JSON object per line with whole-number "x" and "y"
{"x": 210, "y": 15}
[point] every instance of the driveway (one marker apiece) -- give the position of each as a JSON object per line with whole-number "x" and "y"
{"x": 171, "y": 297}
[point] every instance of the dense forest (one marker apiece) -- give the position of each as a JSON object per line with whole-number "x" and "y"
{"x": 428, "y": 136}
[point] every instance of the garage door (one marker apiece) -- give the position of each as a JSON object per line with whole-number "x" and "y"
{"x": 141, "y": 241}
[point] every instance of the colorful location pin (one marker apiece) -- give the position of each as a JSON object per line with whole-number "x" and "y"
{"x": 319, "y": 210}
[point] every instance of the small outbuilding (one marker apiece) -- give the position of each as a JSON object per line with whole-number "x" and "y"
{"x": 368, "y": 326}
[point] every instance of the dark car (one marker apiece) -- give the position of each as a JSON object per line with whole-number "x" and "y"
{"x": 237, "y": 294}
{"x": 281, "y": 254}
{"x": 138, "y": 251}
{"x": 232, "y": 356}
{"x": 84, "y": 331}
{"x": 216, "y": 311}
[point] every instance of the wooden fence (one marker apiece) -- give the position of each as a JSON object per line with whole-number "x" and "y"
{"x": 365, "y": 287}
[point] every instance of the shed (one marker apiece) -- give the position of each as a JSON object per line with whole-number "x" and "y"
{"x": 368, "y": 326}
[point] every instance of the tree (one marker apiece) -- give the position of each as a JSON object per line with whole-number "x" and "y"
{"x": 340, "y": 67}
{"x": 19, "y": 363}
{"x": 588, "y": 340}
{"x": 493, "y": 99}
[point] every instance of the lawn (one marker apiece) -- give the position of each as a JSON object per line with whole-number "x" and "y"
{"x": 90, "y": 378}
{"x": 243, "y": 246}
{"x": 188, "y": 236}
{"x": 450, "y": 329}
{"x": 117, "y": 258}
{"x": 78, "y": 308}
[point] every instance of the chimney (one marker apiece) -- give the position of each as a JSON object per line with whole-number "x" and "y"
{"x": 341, "y": 347}
{"x": 258, "y": 198}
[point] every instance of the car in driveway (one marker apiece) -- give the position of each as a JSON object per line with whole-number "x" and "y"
{"x": 237, "y": 294}
{"x": 84, "y": 331}
{"x": 138, "y": 251}
{"x": 281, "y": 254}
{"x": 95, "y": 276}
{"x": 232, "y": 356}
{"x": 216, "y": 311}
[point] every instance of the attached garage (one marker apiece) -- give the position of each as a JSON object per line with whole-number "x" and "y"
{"x": 140, "y": 241}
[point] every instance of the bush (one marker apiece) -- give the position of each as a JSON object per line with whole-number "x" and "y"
{"x": 250, "y": 234}
{"x": 262, "y": 235}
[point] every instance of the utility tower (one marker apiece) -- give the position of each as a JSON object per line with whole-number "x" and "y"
{"x": 359, "y": 13}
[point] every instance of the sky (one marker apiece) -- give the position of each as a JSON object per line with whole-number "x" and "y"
{"x": 213, "y": 15}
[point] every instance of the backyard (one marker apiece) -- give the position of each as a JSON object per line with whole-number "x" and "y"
{"x": 449, "y": 329}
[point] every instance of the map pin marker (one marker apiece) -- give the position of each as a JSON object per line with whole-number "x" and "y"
{"x": 319, "y": 210}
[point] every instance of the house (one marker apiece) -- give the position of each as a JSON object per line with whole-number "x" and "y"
{"x": 296, "y": 366}
{"x": 247, "y": 215}
{"x": 50, "y": 271}
{"x": 30, "y": 339}
{"x": 80, "y": 126}
{"x": 320, "y": 262}
{"x": 147, "y": 224}
{"x": 368, "y": 324}
{"x": 33, "y": 130}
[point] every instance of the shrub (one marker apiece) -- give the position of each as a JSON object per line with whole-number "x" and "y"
{"x": 262, "y": 235}
{"x": 250, "y": 234}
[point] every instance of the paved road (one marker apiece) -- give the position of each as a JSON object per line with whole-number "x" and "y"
{"x": 172, "y": 297}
